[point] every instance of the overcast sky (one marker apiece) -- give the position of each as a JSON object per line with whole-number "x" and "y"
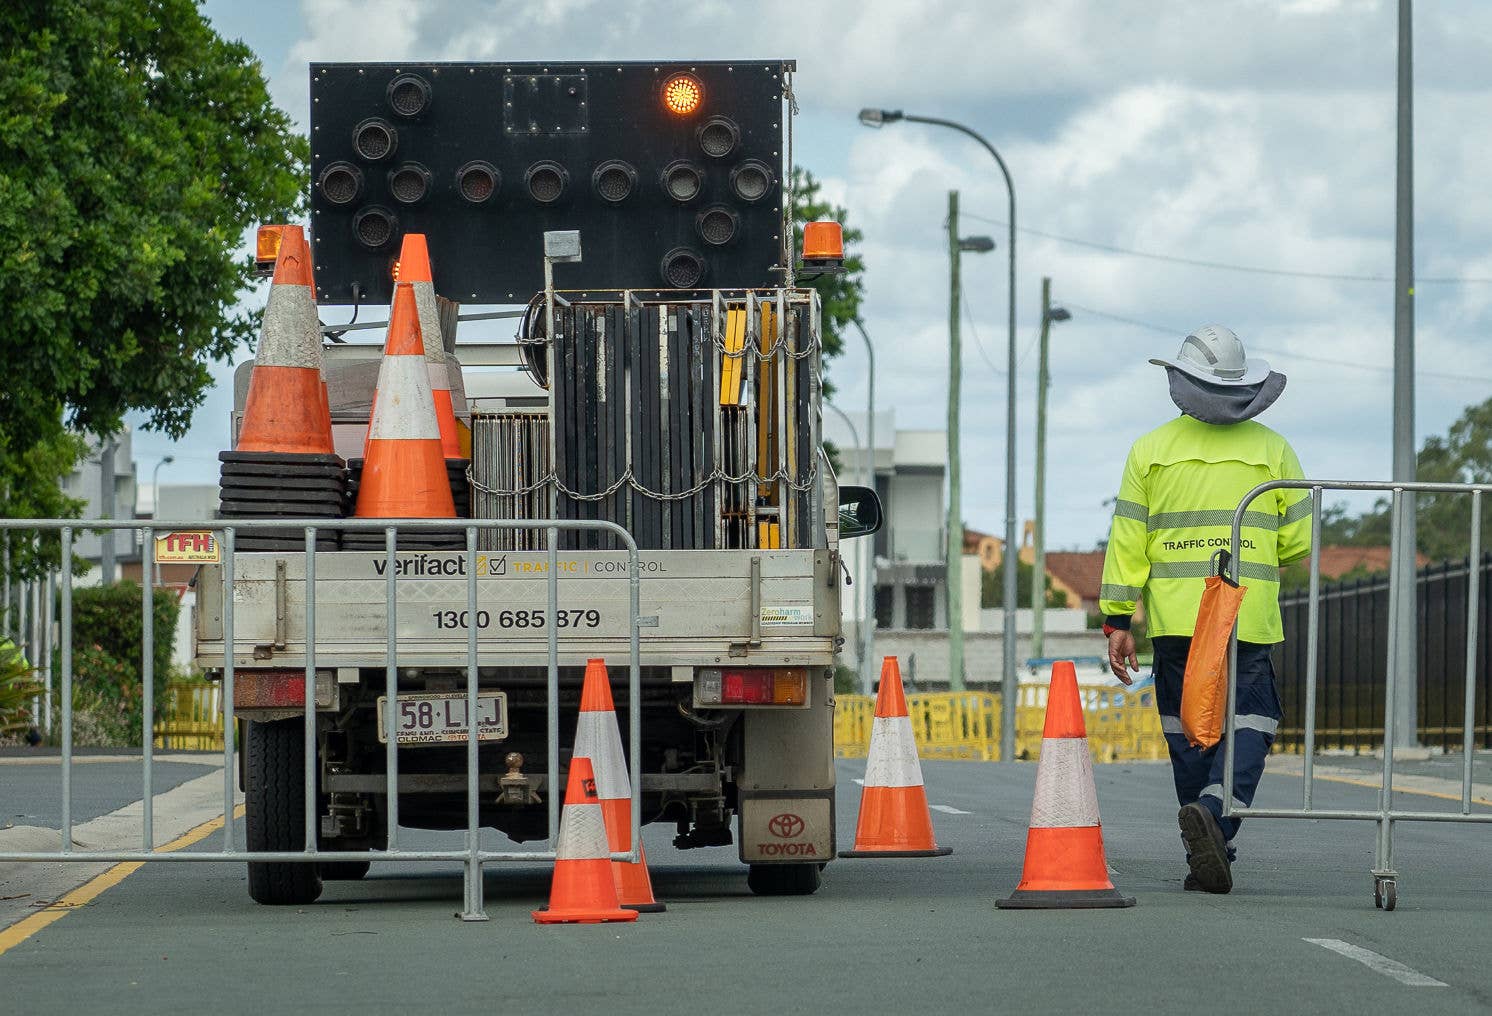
{"x": 1250, "y": 133}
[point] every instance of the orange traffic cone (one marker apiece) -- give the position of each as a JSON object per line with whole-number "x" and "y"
{"x": 286, "y": 408}
{"x": 583, "y": 891}
{"x": 1065, "y": 866}
{"x": 414, "y": 268}
{"x": 404, "y": 473}
{"x": 598, "y": 738}
{"x": 894, "y": 820}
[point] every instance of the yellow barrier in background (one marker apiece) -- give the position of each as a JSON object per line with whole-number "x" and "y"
{"x": 191, "y": 718}
{"x": 1122, "y": 723}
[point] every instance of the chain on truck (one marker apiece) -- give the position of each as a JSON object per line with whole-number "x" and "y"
{"x": 633, "y": 223}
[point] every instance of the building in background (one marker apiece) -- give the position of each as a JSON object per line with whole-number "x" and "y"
{"x": 85, "y": 483}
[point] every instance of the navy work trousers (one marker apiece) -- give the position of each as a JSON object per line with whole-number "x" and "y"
{"x": 1198, "y": 773}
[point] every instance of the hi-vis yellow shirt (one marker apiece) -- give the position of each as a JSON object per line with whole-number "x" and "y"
{"x": 1182, "y": 483}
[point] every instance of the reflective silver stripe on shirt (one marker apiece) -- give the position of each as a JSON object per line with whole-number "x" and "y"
{"x": 1202, "y": 569}
{"x": 1252, "y": 721}
{"x": 1171, "y": 725}
{"x": 1130, "y": 510}
{"x": 1124, "y": 594}
{"x": 1211, "y": 517}
{"x": 1299, "y": 510}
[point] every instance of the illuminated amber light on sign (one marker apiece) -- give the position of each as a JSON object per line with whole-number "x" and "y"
{"x": 267, "y": 243}
{"x": 682, "y": 94}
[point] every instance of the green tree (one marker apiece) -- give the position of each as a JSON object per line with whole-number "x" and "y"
{"x": 839, "y": 294}
{"x": 1463, "y": 455}
{"x": 137, "y": 146}
{"x": 992, "y": 588}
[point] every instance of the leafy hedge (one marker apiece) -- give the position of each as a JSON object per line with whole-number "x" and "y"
{"x": 108, "y": 679}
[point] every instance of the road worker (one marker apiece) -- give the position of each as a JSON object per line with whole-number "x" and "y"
{"x": 1181, "y": 485}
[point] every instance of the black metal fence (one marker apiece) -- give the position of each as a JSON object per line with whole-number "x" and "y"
{"x": 1354, "y": 650}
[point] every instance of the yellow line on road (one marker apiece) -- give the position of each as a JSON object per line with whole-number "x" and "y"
{"x": 92, "y": 889}
{"x": 1378, "y": 785}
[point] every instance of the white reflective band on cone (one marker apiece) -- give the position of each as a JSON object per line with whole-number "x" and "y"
{"x": 405, "y": 410}
{"x": 1065, "y": 798}
{"x": 424, "y": 305}
{"x": 599, "y": 739}
{"x": 582, "y": 833}
{"x": 291, "y": 334}
{"x": 893, "y": 754}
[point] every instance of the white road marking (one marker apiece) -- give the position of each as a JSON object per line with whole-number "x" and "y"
{"x": 1379, "y": 963}
{"x": 948, "y": 809}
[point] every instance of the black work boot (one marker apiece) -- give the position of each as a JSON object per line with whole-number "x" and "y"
{"x": 1206, "y": 848}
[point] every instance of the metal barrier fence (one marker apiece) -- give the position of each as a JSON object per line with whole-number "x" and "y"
{"x": 1353, "y": 637}
{"x": 1123, "y": 724}
{"x": 472, "y": 856}
{"x": 1385, "y": 878}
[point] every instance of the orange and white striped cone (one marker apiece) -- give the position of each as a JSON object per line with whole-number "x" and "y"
{"x": 598, "y": 737}
{"x": 404, "y": 472}
{"x": 285, "y": 411}
{"x": 414, "y": 268}
{"x": 1065, "y": 867}
{"x": 583, "y": 891}
{"x": 894, "y": 818}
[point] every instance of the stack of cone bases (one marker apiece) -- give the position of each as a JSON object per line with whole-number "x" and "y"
{"x": 403, "y": 474}
{"x": 599, "y": 739}
{"x": 1065, "y": 866}
{"x": 583, "y": 891}
{"x": 284, "y": 464}
{"x": 894, "y": 818}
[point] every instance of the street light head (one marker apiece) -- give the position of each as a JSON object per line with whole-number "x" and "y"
{"x": 976, "y": 244}
{"x": 1058, "y": 314}
{"x": 879, "y": 117}
{"x": 168, "y": 460}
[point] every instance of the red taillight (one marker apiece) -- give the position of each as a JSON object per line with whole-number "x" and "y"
{"x": 269, "y": 689}
{"x": 752, "y": 687}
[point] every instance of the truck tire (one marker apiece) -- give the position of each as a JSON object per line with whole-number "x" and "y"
{"x": 275, "y": 819}
{"x": 783, "y": 879}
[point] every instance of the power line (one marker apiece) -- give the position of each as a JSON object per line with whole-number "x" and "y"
{"x": 1372, "y": 367}
{"x": 978, "y": 342}
{"x": 1225, "y": 265}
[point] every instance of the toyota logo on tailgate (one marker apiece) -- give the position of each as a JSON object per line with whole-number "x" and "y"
{"x": 785, "y": 826}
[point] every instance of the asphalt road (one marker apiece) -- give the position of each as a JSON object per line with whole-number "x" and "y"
{"x": 881, "y": 936}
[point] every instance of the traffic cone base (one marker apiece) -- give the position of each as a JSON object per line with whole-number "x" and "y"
{"x": 584, "y": 890}
{"x": 599, "y": 738}
{"x": 894, "y": 818}
{"x": 1065, "y": 867}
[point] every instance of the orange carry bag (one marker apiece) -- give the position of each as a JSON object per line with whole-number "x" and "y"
{"x": 1204, "y": 689}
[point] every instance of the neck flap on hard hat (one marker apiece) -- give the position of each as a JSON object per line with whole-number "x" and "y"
{"x": 1223, "y": 404}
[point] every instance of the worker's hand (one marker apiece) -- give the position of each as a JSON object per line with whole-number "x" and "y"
{"x": 1122, "y": 652}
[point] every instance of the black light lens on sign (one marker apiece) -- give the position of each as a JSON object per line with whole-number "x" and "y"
{"x": 682, "y": 268}
{"x": 546, "y": 182}
{"x": 683, "y": 180}
{"x": 614, "y": 181}
{"x": 409, "y": 95}
{"x": 751, "y": 180}
{"x": 409, "y": 183}
{"x": 375, "y": 227}
{"x": 717, "y": 225}
{"x": 340, "y": 183}
{"x": 478, "y": 182}
{"x": 718, "y": 136}
{"x": 374, "y": 139}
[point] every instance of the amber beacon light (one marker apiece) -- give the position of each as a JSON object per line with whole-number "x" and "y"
{"x": 823, "y": 246}
{"x": 682, "y": 94}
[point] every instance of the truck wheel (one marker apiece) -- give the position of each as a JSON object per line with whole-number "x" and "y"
{"x": 783, "y": 879}
{"x": 343, "y": 871}
{"x": 275, "y": 819}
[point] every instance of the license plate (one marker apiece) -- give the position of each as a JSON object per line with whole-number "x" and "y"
{"x": 440, "y": 717}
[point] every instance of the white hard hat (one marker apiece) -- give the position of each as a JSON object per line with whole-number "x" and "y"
{"x": 1215, "y": 354}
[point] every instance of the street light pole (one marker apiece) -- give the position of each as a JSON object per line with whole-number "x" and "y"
{"x": 877, "y": 118}
{"x": 953, "y": 526}
{"x": 860, "y": 624}
{"x": 869, "y": 582}
{"x": 1406, "y": 718}
{"x": 1038, "y": 536}
{"x": 155, "y": 501}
